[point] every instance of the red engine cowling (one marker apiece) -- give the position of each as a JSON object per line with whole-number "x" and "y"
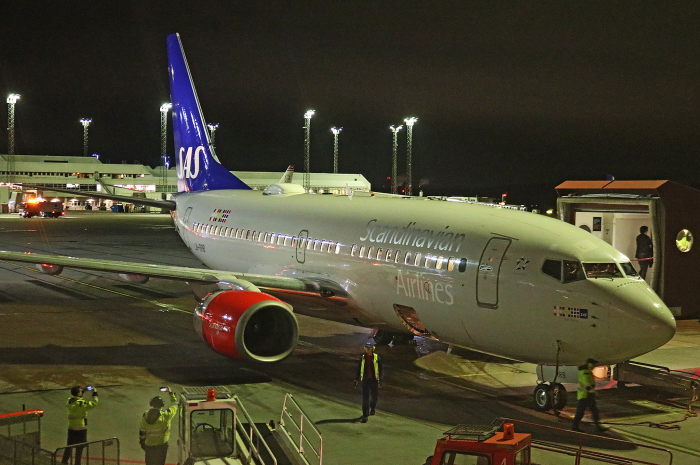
{"x": 247, "y": 325}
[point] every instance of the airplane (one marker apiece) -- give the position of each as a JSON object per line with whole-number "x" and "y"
{"x": 511, "y": 283}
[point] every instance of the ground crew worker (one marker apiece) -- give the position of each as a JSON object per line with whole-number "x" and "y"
{"x": 369, "y": 372}
{"x": 586, "y": 396}
{"x": 77, "y": 421}
{"x": 154, "y": 433}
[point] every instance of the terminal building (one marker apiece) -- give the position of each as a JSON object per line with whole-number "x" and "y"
{"x": 89, "y": 174}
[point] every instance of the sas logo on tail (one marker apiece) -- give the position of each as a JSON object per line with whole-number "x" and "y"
{"x": 189, "y": 167}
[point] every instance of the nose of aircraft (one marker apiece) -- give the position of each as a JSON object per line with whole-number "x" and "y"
{"x": 641, "y": 321}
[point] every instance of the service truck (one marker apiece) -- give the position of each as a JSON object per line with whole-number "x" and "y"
{"x": 36, "y": 206}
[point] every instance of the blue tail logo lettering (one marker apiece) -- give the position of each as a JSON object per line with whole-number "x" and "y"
{"x": 189, "y": 167}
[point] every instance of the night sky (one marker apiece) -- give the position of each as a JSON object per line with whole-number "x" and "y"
{"x": 509, "y": 96}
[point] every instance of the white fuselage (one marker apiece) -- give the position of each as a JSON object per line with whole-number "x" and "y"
{"x": 482, "y": 287}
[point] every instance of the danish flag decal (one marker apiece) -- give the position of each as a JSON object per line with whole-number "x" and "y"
{"x": 198, "y": 168}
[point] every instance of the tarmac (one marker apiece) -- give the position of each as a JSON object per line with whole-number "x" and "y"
{"x": 129, "y": 339}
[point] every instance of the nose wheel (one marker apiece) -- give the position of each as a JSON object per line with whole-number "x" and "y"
{"x": 548, "y": 396}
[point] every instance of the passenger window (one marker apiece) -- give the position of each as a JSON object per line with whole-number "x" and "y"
{"x": 261, "y": 236}
{"x": 286, "y": 240}
{"x": 255, "y": 236}
{"x": 388, "y": 255}
{"x": 462, "y": 265}
{"x": 294, "y": 241}
{"x": 362, "y": 251}
{"x": 451, "y": 264}
{"x": 552, "y": 268}
{"x": 247, "y": 234}
{"x": 428, "y": 261}
{"x": 353, "y": 250}
{"x": 238, "y": 233}
{"x": 380, "y": 253}
{"x": 417, "y": 262}
{"x": 337, "y": 249}
{"x": 407, "y": 260}
{"x": 302, "y": 241}
{"x": 280, "y": 239}
{"x": 309, "y": 244}
{"x": 397, "y": 257}
{"x": 272, "y": 238}
{"x": 224, "y": 232}
{"x": 438, "y": 263}
{"x": 317, "y": 245}
{"x": 207, "y": 229}
{"x": 370, "y": 252}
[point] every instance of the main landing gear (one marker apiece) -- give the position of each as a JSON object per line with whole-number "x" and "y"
{"x": 383, "y": 338}
{"x": 550, "y": 396}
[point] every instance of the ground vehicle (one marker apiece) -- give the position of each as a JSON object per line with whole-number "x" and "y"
{"x": 37, "y": 206}
{"x": 214, "y": 424}
{"x": 485, "y": 445}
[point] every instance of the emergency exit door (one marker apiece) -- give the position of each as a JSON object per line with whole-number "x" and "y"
{"x": 489, "y": 270}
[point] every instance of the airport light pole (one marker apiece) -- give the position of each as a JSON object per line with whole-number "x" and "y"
{"x": 11, "y": 100}
{"x": 164, "y": 109}
{"x": 395, "y": 130}
{"x": 409, "y": 148}
{"x": 335, "y": 132}
{"x": 212, "y": 133}
{"x": 307, "y": 147}
{"x": 85, "y": 122}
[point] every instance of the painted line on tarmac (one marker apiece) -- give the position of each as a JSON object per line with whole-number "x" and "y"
{"x": 659, "y": 442}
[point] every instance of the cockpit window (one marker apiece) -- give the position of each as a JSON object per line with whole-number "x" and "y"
{"x": 628, "y": 269}
{"x": 566, "y": 271}
{"x": 573, "y": 271}
{"x": 602, "y": 270}
{"x": 552, "y": 268}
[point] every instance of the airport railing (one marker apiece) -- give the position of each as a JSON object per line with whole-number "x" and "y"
{"x": 301, "y": 432}
{"x": 103, "y": 452}
{"x": 20, "y": 439}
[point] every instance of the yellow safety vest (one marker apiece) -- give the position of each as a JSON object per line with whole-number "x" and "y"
{"x": 375, "y": 360}
{"x": 77, "y": 411}
{"x": 158, "y": 432}
{"x": 586, "y": 383}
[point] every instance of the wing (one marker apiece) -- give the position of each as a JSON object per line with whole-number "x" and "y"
{"x": 170, "y": 272}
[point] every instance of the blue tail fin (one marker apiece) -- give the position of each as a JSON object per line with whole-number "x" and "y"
{"x": 197, "y": 166}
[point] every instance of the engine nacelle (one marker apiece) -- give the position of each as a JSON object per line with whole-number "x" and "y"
{"x": 52, "y": 270}
{"x": 247, "y": 325}
{"x": 134, "y": 278}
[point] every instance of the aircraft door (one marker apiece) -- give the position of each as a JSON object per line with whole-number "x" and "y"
{"x": 185, "y": 229}
{"x": 301, "y": 246}
{"x": 489, "y": 270}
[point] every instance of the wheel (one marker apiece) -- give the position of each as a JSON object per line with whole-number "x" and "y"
{"x": 559, "y": 397}
{"x": 543, "y": 397}
{"x": 383, "y": 338}
{"x": 401, "y": 338}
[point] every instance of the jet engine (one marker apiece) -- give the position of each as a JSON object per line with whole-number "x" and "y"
{"x": 134, "y": 278}
{"x": 52, "y": 270}
{"x": 247, "y": 325}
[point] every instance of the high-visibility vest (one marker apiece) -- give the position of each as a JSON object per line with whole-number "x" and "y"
{"x": 375, "y": 360}
{"x": 77, "y": 411}
{"x": 586, "y": 383}
{"x": 158, "y": 432}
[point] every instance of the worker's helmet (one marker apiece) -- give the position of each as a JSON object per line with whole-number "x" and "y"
{"x": 76, "y": 390}
{"x": 369, "y": 345}
{"x": 157, "y": 402}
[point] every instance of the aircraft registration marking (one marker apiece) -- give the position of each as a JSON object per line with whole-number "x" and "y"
{"x": 200, "y": 248}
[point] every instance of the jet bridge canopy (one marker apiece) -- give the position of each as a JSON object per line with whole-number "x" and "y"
{"x": 614, "y": 210}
